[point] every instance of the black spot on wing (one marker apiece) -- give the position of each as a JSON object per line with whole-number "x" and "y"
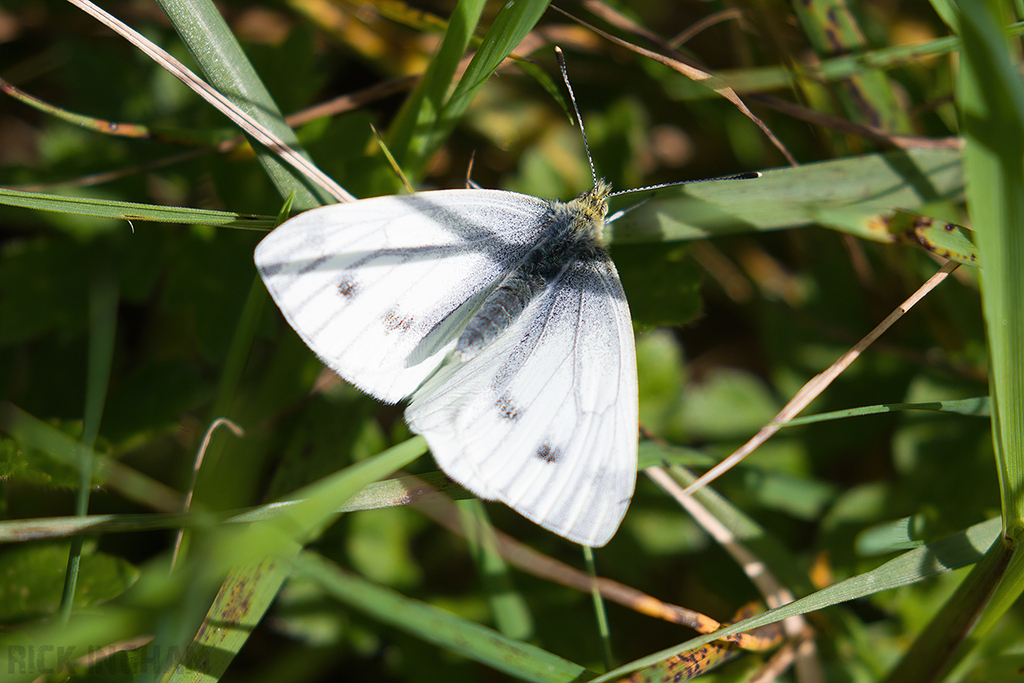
{"x": 348, "y": 287}
{"x": 507, "y": 409}
{"x": 548, "y": 453}
{"x": 394, "y": 320}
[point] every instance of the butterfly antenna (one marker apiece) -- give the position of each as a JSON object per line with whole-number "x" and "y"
{"x": 572, "y": 98}
{"x": 648, "y": 188}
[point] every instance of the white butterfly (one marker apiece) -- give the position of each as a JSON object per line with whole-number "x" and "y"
{"x": 501, "y": 316}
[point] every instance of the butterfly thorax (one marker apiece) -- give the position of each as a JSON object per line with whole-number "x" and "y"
{"x": 571, "y": 237}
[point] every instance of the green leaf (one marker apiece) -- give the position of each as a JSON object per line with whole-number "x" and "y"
{"x": 34, "y": 577}
{"x": 795, "y": 197}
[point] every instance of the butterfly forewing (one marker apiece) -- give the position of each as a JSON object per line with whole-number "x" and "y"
{"x": 380, "y": 289}
{"x": 544, "y": 419}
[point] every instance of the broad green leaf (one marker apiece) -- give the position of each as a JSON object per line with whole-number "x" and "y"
{"x": 795, "y": 197}
{"x": 34, "y": 577}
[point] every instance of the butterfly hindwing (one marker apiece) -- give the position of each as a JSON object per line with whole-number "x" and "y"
{"x": 544, "y": 418}
{"x": 380, "y": 289}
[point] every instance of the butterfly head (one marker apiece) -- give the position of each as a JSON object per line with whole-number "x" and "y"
{"x": 588, "y": 210}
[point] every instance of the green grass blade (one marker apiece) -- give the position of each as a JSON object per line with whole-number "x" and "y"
{"x": 893, "y": 536}
{"x": 437, "y": 626}
{"x": 991, "y": 97}
{"x": 513, "y": 22}
{"x": 238, "y": 353}
{"x": 316, "y": 507}
{"x": 427, "y": 119}
{"x": 600, "y": 609}
{"x": 259, "y": 548}
{"x": 15, "y": 530}
{"x": 978, "y": 407}
{"x": 217, "y": 51}
{"x": 511, "y": 613}
{"x": 133, "y": 211}
{"x": 941, "y": 643}
{"x": 414, "y": 133}
{"x": 959, "y": 550}
{"x": 380, "y": 494}
{"x": 237, "y": 610}
{"x": 103, "y": 300}
{"x": 991, "y": 100}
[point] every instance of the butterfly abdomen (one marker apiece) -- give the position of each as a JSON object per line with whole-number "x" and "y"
{"x": 572, "y": 235}
{"x": 499, "y": 311}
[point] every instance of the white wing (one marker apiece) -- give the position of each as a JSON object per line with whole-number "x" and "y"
{"x": 381, "y": 288}
{"x": 544, "y": 419}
